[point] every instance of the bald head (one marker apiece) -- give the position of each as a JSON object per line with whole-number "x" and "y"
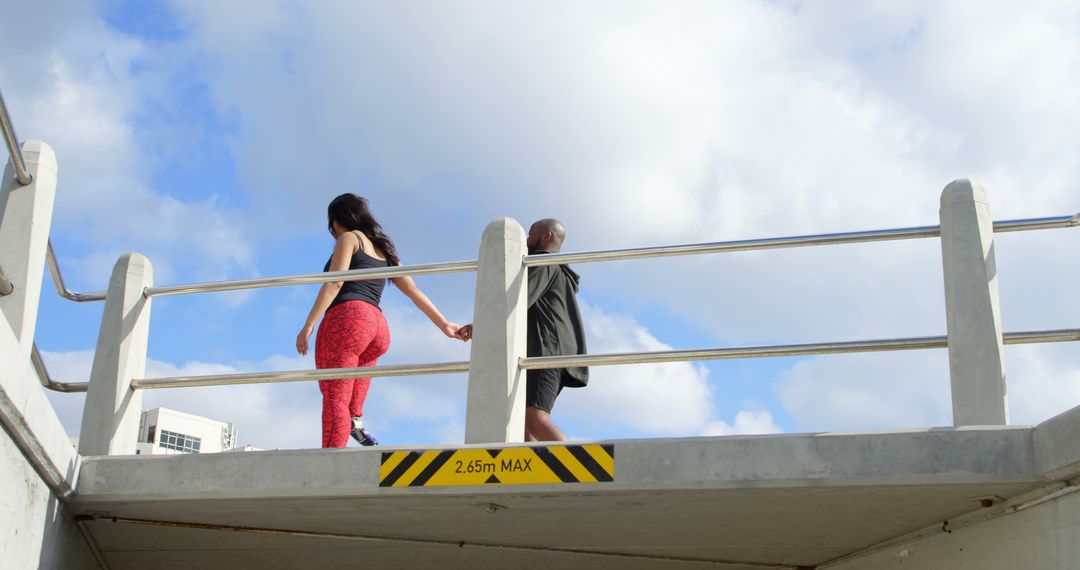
{"x": 546, "y": 235}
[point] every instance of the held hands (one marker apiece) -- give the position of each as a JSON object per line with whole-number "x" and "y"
{"x": 451, "y": 330}
{"x": 465, "y": 333}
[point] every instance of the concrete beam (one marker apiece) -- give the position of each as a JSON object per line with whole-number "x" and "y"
{"x": 972, "y": 307}
{"x": 773, "y": 501}
{"x": 1045, "y": 537}
{"x": 496, "y": 406}
{"x": 25, "y": 220}
{"x": 944, "y": 456}
{"x": 110, "y": 422}
{"x": 1057, "y": 446}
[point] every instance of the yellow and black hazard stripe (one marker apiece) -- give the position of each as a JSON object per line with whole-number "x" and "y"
{"x": 407, "y": 459}
{"x": 555, "y": 464}
{"x": 562, "y": 467}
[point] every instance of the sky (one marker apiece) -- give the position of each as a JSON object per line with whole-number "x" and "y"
{"x": 210, "y": 136}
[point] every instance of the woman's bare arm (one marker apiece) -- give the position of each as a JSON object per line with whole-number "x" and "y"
{"x": 346, "y": 246}
{"x": 422, "y": 302}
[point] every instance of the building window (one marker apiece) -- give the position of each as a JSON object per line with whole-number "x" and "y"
{"x": 179, "y": 442}
{"x": 150, "y": 436}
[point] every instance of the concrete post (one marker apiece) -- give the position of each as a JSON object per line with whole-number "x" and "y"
{"x": 495, "y": 411}
{"x": 110, "y": 423}
{"x": 25, "y": 219}
{"x": 972, "y": 307}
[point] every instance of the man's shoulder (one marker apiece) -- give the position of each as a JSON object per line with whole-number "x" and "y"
{"x": 556, "y": 272}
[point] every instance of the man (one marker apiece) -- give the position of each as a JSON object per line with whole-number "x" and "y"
{"x": 554, "y": 329}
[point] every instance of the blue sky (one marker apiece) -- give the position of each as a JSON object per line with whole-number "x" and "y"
{"x": 210, "y": 136}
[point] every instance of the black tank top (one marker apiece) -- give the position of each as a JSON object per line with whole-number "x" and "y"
{"x": 369, "y": 290}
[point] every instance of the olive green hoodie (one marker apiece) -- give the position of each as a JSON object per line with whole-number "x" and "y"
{"x": 554, "y": 322}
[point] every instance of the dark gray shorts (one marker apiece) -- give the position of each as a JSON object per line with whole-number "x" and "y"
{"x": 542, "y": 387}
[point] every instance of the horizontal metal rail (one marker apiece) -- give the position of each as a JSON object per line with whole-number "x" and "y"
{"x": 919, "y": 343}
{"x": 22, "y": 174}
{"x": 310, "y": 278}
{"x": 301, "y": 375}
{"x": 58, "y": 478}
{"x": 47, "y": 381}
{"x": 1031, "y": 224}
{"x": 536, "y": 363}
{"x": 58, "y": 281}
{"x": 558, "y": 258}
{"x": 917, "y": 232}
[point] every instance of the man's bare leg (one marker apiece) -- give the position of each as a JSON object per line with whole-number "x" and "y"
{"x": 539, "y": 426}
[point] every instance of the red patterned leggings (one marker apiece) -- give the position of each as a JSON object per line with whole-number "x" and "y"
{"x": 351, "y": 334}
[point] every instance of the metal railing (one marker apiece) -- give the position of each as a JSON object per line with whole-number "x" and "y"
{"x": 314, "y": 278}
{"x": 868, "y": 236}
{"x": 24, "y": 177}
{"x": 918, "y": 232}
{"x": 973, "y": 224}
{"x": 532, "y": 363}
{"x": 302, "y": 375}
{"x": 772, "y": 351}
{"x": 22, "y": 174}
{"x": 58, "y": 281}
{"x": 543, "y": 362}
{"x": 47, "y": 381}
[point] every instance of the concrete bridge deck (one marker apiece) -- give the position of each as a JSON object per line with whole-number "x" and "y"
{"x": 732, "y": 502}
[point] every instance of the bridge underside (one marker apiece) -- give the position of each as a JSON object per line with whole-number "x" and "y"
{"x": 730, "y": 502}
{"x": 779, "y": 526}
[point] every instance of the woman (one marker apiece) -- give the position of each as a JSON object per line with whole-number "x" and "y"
{"x": 354, "y": 333}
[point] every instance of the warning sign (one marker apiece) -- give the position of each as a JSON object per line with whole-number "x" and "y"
{"x": 591, "y": 463}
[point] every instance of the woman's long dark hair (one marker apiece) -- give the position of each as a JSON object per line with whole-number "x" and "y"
{"x": 352, "y": 213}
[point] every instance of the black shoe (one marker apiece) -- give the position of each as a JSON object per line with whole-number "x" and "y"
{"x": 363, "y": 437}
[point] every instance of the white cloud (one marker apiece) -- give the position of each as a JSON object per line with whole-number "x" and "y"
{"x": 267, "y": 415}
{"x": 911, "y": 389}
{"x": 646, "y": 399}
{"x": 858, "y": 391}
{"x": 1042, "y": 381}
{"x": 646, "y": 123}
{"x": 746, "y": 422}
{"x": 657, "y": 398}
{"x": 84, "y": 89}
{"x": 451, "y": 432}
{"x": 662, "y": 399}
{"x": 287, "y": 415}
{"x": 636, "y": 123}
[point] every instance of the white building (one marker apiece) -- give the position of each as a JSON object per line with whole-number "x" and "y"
{"x": 165, "y": 431}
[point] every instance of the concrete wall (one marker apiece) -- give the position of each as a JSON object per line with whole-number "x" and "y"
{"x": 1044, "y": 537}
{"x": 35, "y": 531}
{"x": 38, "y": 464}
